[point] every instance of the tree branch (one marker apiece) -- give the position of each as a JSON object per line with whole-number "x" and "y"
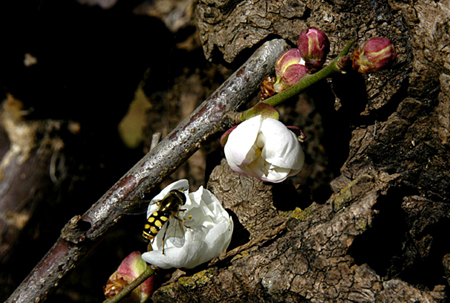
{"x": 81, "y": 234}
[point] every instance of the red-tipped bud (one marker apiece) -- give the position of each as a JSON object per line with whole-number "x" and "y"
{"x": 292, "y": 75}
{"x": 289, "y": 69}
{"x": 314, "y": 46}
{"x": 130, "y": 268}
{"x": 286, "y": 59}
{"x": 377, "y": 53}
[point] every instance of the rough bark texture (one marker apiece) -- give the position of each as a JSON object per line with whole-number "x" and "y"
{"x": 309, "y": 261}
{"x": 381, "y": 236}
{"x": 365, "y": 221}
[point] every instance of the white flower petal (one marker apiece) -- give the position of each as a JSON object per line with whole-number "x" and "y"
{"x": 205, "y": 234}
{"x": 277, "y": 174}
{"x": 187, "y": 256}
{"x": 281, "y": 147}
{"x": 239, "y": 147}
{"x": 275, "y": 153}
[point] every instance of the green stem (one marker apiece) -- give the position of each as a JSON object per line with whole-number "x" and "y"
{"x": 130, "y": 287}
{"x": 305, "y": 81}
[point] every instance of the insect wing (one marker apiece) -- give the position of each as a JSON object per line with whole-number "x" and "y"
{"x": 173, "y": 236}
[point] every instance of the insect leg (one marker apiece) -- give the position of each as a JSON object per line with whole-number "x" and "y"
{"x": 181, "y": 220}
{"x": 164, "y": 235}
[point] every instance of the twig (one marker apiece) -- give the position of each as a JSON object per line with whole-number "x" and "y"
{"x": 335, "y": 66}
{"x": 155, "y": 140}
{"x": 82, "y": 233}
{"x": 129, "y": 288}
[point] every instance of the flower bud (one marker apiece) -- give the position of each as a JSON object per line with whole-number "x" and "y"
{"x": 314, "y": 46}
{"x": 130, "y": 268}
{"x": 289, "y": 69}
{"x": 373, "y": 55}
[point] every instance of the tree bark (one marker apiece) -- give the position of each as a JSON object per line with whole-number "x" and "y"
{"x": 380, "y": 235}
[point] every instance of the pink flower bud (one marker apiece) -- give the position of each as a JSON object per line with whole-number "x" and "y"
{"x": 130, "y": 268}
{"x": 314, "y": 46}
{"x": 289, "y": 69}
{"x": 375, "y": 54}
{"x": 286, "y": 59}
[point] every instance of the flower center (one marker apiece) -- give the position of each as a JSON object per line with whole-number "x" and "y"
{"x": 259, "y": 161}
{"x": 258, "y": 151}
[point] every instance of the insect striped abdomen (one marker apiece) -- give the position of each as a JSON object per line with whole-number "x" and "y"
{"x": 155, "y": 223}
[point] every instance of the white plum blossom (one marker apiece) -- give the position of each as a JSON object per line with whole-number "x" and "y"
{"x": 265, "y": 149}
{"x": 205, "y": 234}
